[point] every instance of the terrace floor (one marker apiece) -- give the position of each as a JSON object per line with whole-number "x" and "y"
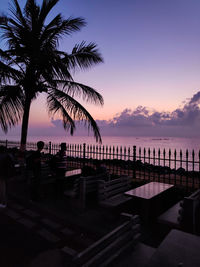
{"x": 29, "y": 228}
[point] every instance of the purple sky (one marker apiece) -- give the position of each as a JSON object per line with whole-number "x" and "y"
{"x": 151, "y": 50}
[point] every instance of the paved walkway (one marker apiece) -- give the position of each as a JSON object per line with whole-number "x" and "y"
{"x": 27, "y": 230}
{"x": 18, "y": 245}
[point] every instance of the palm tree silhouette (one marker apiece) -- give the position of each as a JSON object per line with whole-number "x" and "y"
{"x": 33, "y": 64}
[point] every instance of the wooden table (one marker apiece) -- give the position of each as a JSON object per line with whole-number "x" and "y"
{"x": 149, "y": 190}
{"x": 72, "y": 173}
{"x": 67, "y": 180}
{"x": 177, "y": 249}
{"x": 150, "y": 198}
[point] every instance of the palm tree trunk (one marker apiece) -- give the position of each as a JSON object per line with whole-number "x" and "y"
{"x": 25, "y": 119}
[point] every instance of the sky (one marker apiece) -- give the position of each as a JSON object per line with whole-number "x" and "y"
{"x": 150, "y": 74}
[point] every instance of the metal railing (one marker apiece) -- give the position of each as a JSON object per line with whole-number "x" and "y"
{"x": 177, "y": 167}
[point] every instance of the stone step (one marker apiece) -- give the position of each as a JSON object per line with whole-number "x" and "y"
{"x": 67, "y": 231}
{"x": 48, "y": 235}
{"x": 26, "y": 222}
{"x": 50, "y": 223}
{"x": 31, "y": 213}
{"x": 12, "y": 214}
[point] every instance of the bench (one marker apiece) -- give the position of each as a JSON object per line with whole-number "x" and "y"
{"x": 83, "y": 187}
{"x": 184, "y": 214}
{"x": 104, "y": 251}
{"x": 47, "y": 176}
{"x": 111, "y": 193}
{"x": 120, "y": 247}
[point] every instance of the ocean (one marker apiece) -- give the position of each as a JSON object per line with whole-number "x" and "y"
{"x": 167, "y": 143}
{"x": 128, "y": 141}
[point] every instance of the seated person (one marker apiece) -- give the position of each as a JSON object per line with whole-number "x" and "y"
{"x": 33, "y": 165}
{"x": 59, "y": 166}
{"x": 59, "y": 161}
{"x": 101, "y": 169}
{"x": 87, "y": 171}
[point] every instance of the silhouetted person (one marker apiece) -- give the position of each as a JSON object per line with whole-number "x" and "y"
{"x": 101, "y": 169}
{"x": 59, "y": 167}
{"x": 87, "y": 171}
{"x": 6, "y": 171}
{"x": 34, "y": 165}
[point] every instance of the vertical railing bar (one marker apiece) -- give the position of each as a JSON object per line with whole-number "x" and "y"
{"x": 149, "y": 171}
{"x": 169, "y": 177}
{"x": 164, "y": 163}
{"x": 154, "y": 162}
{"x": 117, "y": 154}
{"x": 159, "y": 165}
{"x": 199, "y": 170}
{"x": 125, "y": 163}
{"x": 120, "y": 163}
{"x": 193, "y": 159}
{"x": 186, "y": 176}
{"x": 144, "y": 164}
{"x": 175, "y": 167}
{"x": 181, "y": 165}
{"x": 129, "y": 165}
{"x": 134, "y": 162}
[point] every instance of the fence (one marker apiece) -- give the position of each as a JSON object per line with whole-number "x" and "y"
{"x": 177, "y": 167}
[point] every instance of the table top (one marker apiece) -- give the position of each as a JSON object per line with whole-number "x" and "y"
{"x": 177, "y": 249}
{"x": 149, "y": 190}
{"x": 72, "y": 173}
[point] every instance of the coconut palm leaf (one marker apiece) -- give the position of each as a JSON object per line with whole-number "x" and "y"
{"x": 83, "y": 56}
{"x": 46, "y": 7}
{"x": 17, "y": 13}
{"x": 11, "y": 105}
{"x": 75, "y": 89}
{"x": 54, "y": 106}
{"x": 74, "y": 109}
{"x": 7, "y": 73}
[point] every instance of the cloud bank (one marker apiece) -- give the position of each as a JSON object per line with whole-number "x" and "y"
{"x": 141, "y": 121}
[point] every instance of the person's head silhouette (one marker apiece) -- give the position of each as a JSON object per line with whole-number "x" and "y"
{"x": 63, "y": 146}
{"x": 40, "y": 145}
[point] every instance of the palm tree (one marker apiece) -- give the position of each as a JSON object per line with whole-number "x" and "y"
{"x": 33, "y": 64}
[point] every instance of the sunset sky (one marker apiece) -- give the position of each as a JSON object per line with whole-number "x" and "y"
{"x": 151, "y": 51}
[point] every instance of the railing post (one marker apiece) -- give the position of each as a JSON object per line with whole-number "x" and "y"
{"x": 134, "y": 162}
{"x": 50, "y": 147}
{"x": 84, "y": 148}
{"x": 6, "y": 143}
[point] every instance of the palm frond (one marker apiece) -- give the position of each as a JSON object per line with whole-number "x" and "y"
{"x": 4, "y": 55}
{"x": 46, "y": 7}
{"x": 11, "y": 106}
{"x": 17, "y": 13}
{"x": 84, "y": 56}
{"x": 54, "y": 106}
{"x": 49, "y": 29}
{"x": 10, "y": 33}
{"x": 76, "y": 111}
{"x": 80, "y": 90}
{"x": 59, "y": 27}
{"x": 31, "y": 9}
{"x": 51, "y": 67}
{"x": 7, "y": 73}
